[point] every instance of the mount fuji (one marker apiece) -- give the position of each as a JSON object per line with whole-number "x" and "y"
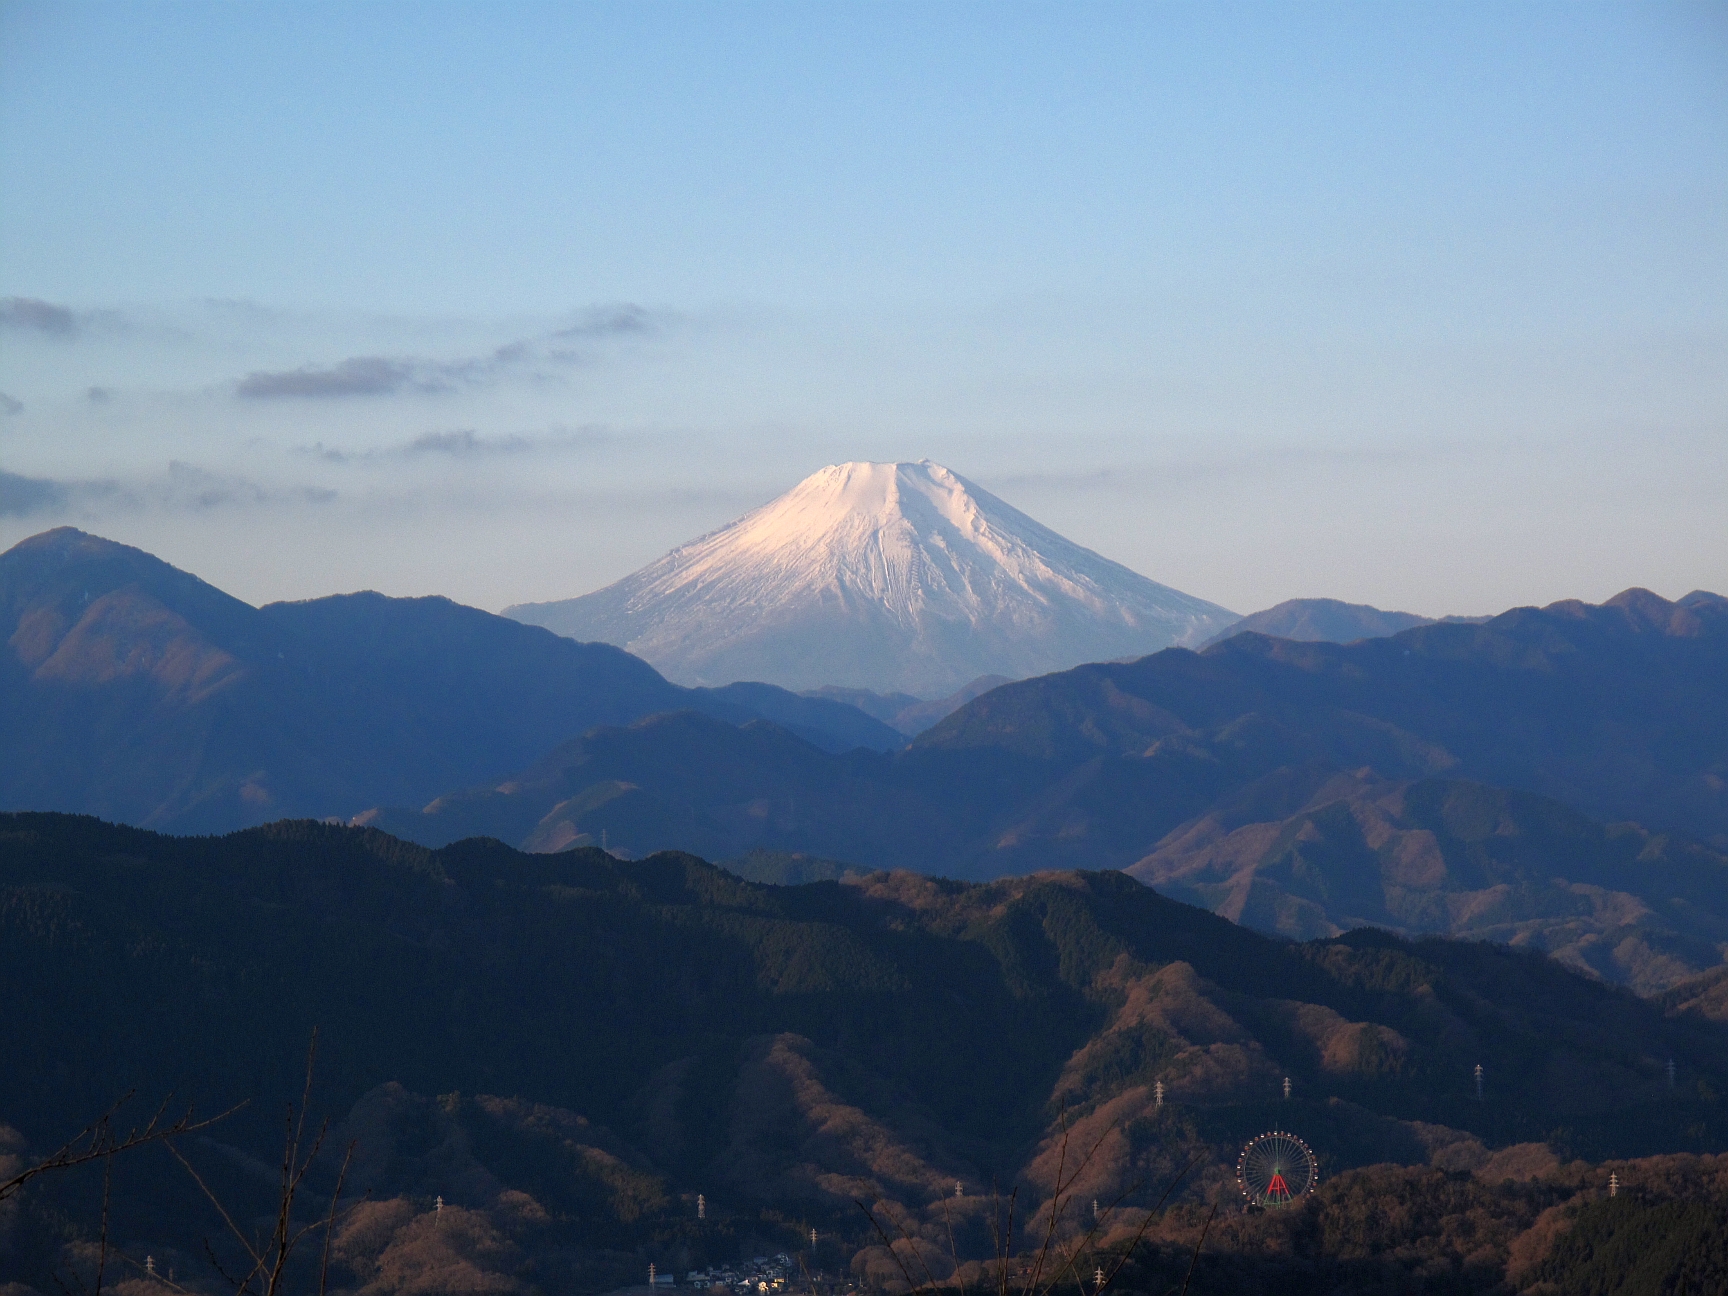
{"x": 886, "y": 576}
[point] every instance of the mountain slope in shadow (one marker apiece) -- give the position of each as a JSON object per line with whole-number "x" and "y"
{"x": 567, "y": 1048}
{"x": 1463, "y": 859}
{"x": 1620, "y": 710}
{"x": 957, "y": 1016}
{"x": 134, "y": 690}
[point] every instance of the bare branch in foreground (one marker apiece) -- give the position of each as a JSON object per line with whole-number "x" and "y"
{"x": 98, "y": 1141}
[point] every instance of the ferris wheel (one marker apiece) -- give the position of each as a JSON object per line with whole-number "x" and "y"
{"x": 1276, "y": 1169}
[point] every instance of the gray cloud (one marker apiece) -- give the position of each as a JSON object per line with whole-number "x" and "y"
{"x": 35, "y": 315}
{"x": 190, "y": 487}
{"x": 10, "y": 406}
{"x": 185, "y": 488}
{"x": 610, "y": 321}
{"x": 360, "y": 376}
{"x": 460, "y": 443}
{"x": 99, "y": 395}
{"x": 26, "y": 496}
{"x": 390, "y": 376}
{"x": 465, "y": 444}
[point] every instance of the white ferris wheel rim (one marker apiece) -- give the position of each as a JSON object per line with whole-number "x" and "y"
{"x": 1268, "y": 1146}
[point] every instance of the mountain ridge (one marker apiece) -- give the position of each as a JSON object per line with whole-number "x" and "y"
{"x": 1616, "y": 712}
{"x": 1321, "y": 619}
{"x": 135, "y": 690}
{"x": 788, "y": 1051}
{"x": 1475, "y": 862}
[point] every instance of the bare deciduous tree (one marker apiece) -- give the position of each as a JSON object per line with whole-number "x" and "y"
{"x": 268, "y": 1255}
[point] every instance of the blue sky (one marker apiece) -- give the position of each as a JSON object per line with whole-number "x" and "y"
{"x": 1424, "y": 306}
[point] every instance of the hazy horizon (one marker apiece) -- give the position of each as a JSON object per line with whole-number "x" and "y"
{"x": 1426, "y": 309}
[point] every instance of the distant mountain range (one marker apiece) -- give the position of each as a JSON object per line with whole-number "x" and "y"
{"x": 1616, "y": 712}
{"x": 1303, "y": 620}
{"x": 1438, "y": 855}
{"x": 900, "y": 577}
{"x": 135, "y": 691}
{"x": 1319, "y": 620}
{"x": 910, "y": 715}
{"x": 564, "y": 1050}
{"x": 1554, "y": 776}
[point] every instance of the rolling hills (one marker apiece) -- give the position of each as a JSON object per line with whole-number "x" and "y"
{"x": 1554, "y": 777}
{"x": 1620, "y": 710}
{"x": 1472, "y": 861}
{"x": 1615, "y": 713}
{"x": 568, "y": 1047}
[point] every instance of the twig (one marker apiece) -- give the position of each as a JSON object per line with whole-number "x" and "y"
{"x": 330, "y": 1223}
{"x": 102, "y": 1252}
{"x": 294, "y": 1171}
{"x": 1003, "y": 1247}
{"x": 1146, "y": 1222}
{"x": 953, "y": 1249}
{"x": 152, "y": 1274}
{"x": 912, "y": 1286}
{"x": 917, "y": 1254}
{"x": 257, "y": 1259}
{"x": 1055, "y": 1201}
{"x": 239, "y": 1285}
{"x": 1192, "y": 1264}
{"x": 1058, "y": 1203}
{"x": 102, "y": 1142}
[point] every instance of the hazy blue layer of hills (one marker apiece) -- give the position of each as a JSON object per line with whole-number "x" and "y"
{"x": 1606, "y": 714}
{"x": 133, "y": 690}
{"x": 1453, "y": 778}
{"x": 1620, "y": 710}
{"x": 1321, "y": 620}
{"x": 907, "y": 714}
{"x": 568, "y": 1047}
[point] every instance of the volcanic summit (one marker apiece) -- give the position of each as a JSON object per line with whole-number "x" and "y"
{"x": 897, "y": 577}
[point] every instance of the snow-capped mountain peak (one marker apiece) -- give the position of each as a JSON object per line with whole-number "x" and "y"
{"x": 892, "y": 576}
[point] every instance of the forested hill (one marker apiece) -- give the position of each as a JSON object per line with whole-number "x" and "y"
{"x": 137, "y": 959}
{"x": 782, "y": 1049}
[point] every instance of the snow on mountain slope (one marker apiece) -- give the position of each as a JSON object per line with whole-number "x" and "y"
{"x": 881, "y": 576}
